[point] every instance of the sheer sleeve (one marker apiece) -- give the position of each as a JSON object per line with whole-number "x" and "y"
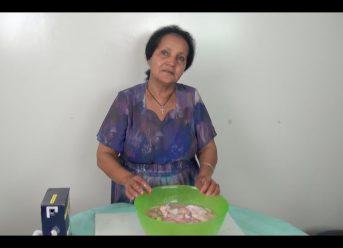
{"x": 204, "y": 129}
{"x": 113, "y": 129}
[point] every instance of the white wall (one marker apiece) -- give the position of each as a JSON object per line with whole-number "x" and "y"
{"x": 271, "y": 81}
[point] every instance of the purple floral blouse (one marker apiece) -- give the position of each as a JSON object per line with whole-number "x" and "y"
{"x": 149, "y": 146}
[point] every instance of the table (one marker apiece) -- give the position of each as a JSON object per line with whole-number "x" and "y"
{"x": 249, "y": 221}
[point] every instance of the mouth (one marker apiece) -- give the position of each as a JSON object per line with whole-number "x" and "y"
{"x": 169, "y": 72}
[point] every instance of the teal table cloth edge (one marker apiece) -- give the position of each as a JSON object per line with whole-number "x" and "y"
{"x": 250, "y": 222}
{"x": 254, "y": 223}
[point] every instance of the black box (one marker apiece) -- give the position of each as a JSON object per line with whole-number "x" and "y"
{"x": 55, "y": 212}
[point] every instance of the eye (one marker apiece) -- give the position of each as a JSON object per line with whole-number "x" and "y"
{"x": 164, "y": 52}
{"x": 181, "y": 59}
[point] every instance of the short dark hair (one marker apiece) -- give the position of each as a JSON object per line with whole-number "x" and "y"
{"x": 156, "y": 37}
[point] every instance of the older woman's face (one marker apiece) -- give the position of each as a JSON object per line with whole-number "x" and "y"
{"x": 168, "y": 62}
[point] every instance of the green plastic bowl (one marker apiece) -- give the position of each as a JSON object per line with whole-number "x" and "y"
{"x": 180, "y": 194}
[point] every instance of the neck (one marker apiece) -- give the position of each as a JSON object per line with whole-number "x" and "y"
{"x": 160, "y": 90}
{"x": 158, "y": 98}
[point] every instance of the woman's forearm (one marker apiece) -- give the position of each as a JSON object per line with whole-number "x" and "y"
{"x": 107, "y": 162}
{"x": 208, "y": 159}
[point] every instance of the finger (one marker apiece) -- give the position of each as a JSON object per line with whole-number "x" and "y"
{"x": 215, "y": 190}
{"x": 211, "y": 189}
{"x": 198, "y": 183}
{"x": 132, "y": 189}
{"x": 205, "y": 185}
{"x": 136, "y": 187}
{"x": 144, "y": 184}
{"x": 129, "y": 194}
{"x": 147, "y": 187}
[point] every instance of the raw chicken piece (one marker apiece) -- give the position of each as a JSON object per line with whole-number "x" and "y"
{"x": 180, "y": 213}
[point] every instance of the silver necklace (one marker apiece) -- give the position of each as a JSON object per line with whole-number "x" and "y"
{"x": 161, "y": 105}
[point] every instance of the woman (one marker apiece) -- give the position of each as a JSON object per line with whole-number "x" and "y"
{"x": 154, "y": 131}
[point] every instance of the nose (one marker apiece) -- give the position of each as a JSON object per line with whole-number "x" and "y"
{"x": 172, "y": 61}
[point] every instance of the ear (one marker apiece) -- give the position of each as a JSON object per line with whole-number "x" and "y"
{"x": 149, "y": 62}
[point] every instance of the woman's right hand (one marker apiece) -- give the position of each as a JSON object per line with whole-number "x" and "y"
{"x": 135, "y": 186}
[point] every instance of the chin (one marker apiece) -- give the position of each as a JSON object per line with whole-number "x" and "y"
{"x": 168, "y": 80}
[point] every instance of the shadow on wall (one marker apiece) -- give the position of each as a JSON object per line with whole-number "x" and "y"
{"x": 138, "y": 60}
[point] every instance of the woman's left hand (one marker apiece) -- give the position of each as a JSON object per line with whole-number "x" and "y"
{"x": 207, "y": 185}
